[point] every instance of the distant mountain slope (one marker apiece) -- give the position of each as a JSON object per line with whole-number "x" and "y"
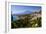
{"x": 23, "y": 13}
{"x": 27, "y": 12}
{"x": 34, "y": 14}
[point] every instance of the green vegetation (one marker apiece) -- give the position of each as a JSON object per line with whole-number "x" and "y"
{"x": 27, "y": 22}
{"x": 36, "y": 22}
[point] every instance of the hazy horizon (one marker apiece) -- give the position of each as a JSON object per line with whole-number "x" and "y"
{"x": 20, "y": 9}
{"x": 17, "y": 9}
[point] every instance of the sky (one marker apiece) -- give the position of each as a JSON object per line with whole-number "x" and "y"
{"x": 17, "y": 9}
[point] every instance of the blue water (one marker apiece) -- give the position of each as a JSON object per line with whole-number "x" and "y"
{"x": 14, "y": 18}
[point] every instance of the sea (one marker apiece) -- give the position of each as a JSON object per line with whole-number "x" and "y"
{"x": 14, "y": 18}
